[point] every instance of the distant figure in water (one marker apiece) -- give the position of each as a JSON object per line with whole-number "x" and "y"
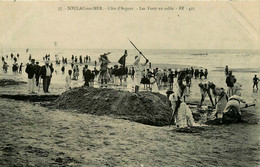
{"x": 206, "y": 73}
{"x": 255, "y": 82}
{"x": 21, "y": 68}
{"x": 226, "y": 70}
{"x": 63, "y": 69}
{"x": 201, "y": 74}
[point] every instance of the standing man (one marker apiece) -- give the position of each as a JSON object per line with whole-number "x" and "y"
{"x": 30, "y": 70}
{"x": 87, "y": 75}
{"x": 230, "y": 83}
{"x": 255, "y": 81}
{"x": 37, "y": 73}
{"x": 123, "y": 68}
{"x": 226, "y": 70}
{"x": 138, "y": 72}
{"x": 46, "y": 74}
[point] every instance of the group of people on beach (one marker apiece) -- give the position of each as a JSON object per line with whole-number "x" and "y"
{"x": 152, "y": 79}
{"x": 226, "y": 107}
{"x": 15, "y": 67}
{"x": 36, "y": 72}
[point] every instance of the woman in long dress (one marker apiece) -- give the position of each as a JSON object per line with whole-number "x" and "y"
{"x": 181, "y": 112}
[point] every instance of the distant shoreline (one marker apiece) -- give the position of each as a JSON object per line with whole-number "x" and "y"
{"x": 176, "y": 51}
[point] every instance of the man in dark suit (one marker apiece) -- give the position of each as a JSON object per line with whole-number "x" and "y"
{"x": 46, "y": 74}
{"x": 30, "y": 70}
{"x": 87, "y": 75}
{"x": 37, "y": 73}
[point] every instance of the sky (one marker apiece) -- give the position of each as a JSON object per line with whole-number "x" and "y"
{"x": 207, "y": 25}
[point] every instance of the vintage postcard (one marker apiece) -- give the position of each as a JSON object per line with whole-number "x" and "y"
{"x": 129, "y": 83}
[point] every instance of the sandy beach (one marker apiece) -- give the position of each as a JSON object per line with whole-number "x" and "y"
{"x": 36, "y": 136}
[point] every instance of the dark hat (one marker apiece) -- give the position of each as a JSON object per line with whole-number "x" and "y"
{"x": 169, "y": 92}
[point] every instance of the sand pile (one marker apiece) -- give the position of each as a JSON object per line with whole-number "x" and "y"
{"x": 146, "y": 107}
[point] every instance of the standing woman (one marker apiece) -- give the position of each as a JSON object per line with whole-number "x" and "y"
{"x": 77, "y": 72}
{"x": 103, "y": 69}
{"x": 138, "y": 67}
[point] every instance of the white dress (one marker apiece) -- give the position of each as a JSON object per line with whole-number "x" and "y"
{"x": 184, "y": 116}
{"x": 68, "y": 82}
{"x": 138, "y": 71}
{"x": 154, "y": 85}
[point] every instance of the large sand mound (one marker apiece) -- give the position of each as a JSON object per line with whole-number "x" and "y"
{"x": 146, "y": 107}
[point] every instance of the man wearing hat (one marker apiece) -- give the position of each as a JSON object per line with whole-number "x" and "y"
{"x": 30, "y": 70}
{"x": 86, "y": 75}
{"x": 37, "y": 72}
{"x": 46, "y": 73}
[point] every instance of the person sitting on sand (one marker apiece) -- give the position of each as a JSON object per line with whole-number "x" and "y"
{"x": 182, "y": 115}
